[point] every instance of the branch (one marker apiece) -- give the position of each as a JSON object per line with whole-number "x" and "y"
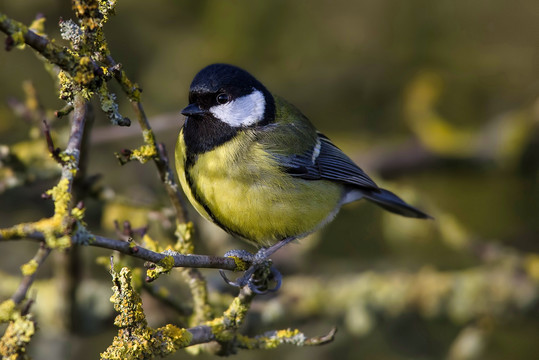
{"x": 19, "y": 33}
{"x": 160, "y": 159}
{"x": 180, "y": 260}
{"x": 31, "y": 267}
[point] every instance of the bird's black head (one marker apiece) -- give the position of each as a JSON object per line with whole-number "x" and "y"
{"x": 223, "y": 99}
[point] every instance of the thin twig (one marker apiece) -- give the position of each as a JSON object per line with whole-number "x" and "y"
{"x": 161, "y": 160}
{"x": 54, "y": 53}
{"x": 22, "y": 290}
{"x": 191, "y": 261}
{"x": 55, "y": 151}
{"x": 165, "y": 171}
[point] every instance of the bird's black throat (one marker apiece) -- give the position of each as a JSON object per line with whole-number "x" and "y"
{"x": 205, "y": 134}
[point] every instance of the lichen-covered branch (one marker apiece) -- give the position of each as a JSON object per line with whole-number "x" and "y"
{"x": 136, "y": 340}
{"x": 19, "y": 332}
{"x": 21, "y": 326}
{"x": 492, "y": 290}
{"x": 85, "y": 66}
{"x": 29, "y": 271}
{"x": 28, "y": 230}
{"x": 66, "y": 220}
{"x": 19, "y": 34}
{"x": 151, "y": 150}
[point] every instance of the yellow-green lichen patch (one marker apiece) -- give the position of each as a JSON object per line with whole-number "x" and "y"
{"x": 135, "y": 340}
{"x": 184, "y": 233}
{"x": 49, "y": 227}
{"x": 132, "y": 89}
{"x": 66, "y": 86}
{"x": 16, "y": 337}
{"x": 531, "y": 264}
{"x": 62, "y": 198}
{"x": 272, "y": 339}
{"x": 241, "y": 265}
{"x": 7, "y": 308}
{"x": 150, "y": 243}
{"x": 29, "y": 268}
{"x": 224, "y": 328}
{"x": 147, "y": 151}
{"x": 162, "y": 267}
{"x": 38, "y": 26}
{"x": 78, "y": 213}
{"x": 18, "y": 39}
{"x": 126, "y": 300}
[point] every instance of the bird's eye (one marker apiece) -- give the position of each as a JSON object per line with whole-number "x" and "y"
{"x": 222, "y": 98}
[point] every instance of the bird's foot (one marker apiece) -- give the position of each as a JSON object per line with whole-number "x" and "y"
{"x": 261, "y": 274}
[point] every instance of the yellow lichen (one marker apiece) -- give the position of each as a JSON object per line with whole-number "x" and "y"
{"x": 224, "y": 328}
{"x": 147, "y": 151}
{"x": 78, "y": 213}
{"x": 17, "y": 336}
{"x": 136, "y": 340}
{"x": 66, "y": 86}
{"x": 49, "y": 227}
{"x": 162, "y": 267}
{"x": 6, "y": 310}
{"x": 61, "y": 196}
{"x": 85, "y": 74}
{"x": 184, "y": 233}
{"x": 151, "y": 244}
{"x": 38, "y": 26}
{"x": 130, "y": 88}
{"x": 60, "y": 223}
{"x": 241, "y": 265}
{"x": 29, "y": 268}
{"x": 18, "y": 39}
{"x": 531, "y": 264}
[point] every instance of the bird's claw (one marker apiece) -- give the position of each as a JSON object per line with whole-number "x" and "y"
{"x": 260, "y": 274}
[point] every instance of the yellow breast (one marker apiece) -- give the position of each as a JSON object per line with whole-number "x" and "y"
{"x": 242, "y": 188}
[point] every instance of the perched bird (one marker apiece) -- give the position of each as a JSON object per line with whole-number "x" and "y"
{"x": 253, "y": 164}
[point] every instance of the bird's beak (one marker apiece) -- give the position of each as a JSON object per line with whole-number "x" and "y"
{"x": 192, "y": 110}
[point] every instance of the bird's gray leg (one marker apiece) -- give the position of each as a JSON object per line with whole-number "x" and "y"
{"x": 261, "y": 272}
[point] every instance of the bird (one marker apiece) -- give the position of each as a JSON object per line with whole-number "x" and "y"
{"x": 253, "y": 164}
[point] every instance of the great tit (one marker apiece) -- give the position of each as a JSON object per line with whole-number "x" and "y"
{"x": 253, "y": 164}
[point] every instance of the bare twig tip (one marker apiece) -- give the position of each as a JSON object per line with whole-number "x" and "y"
{"x": 322, "y": 340}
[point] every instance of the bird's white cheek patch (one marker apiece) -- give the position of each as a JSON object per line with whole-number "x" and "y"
{"x": 244, "y": 111}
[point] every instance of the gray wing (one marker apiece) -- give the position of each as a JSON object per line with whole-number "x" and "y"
{"x": 327, "y": 161}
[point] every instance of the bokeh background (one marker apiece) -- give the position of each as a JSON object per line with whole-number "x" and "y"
{"x": 437, "y": 100}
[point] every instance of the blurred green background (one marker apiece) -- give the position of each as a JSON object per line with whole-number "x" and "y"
{"x": 438, "y": 100}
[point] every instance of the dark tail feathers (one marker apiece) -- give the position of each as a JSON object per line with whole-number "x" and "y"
{"x": 395, "y": 204}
